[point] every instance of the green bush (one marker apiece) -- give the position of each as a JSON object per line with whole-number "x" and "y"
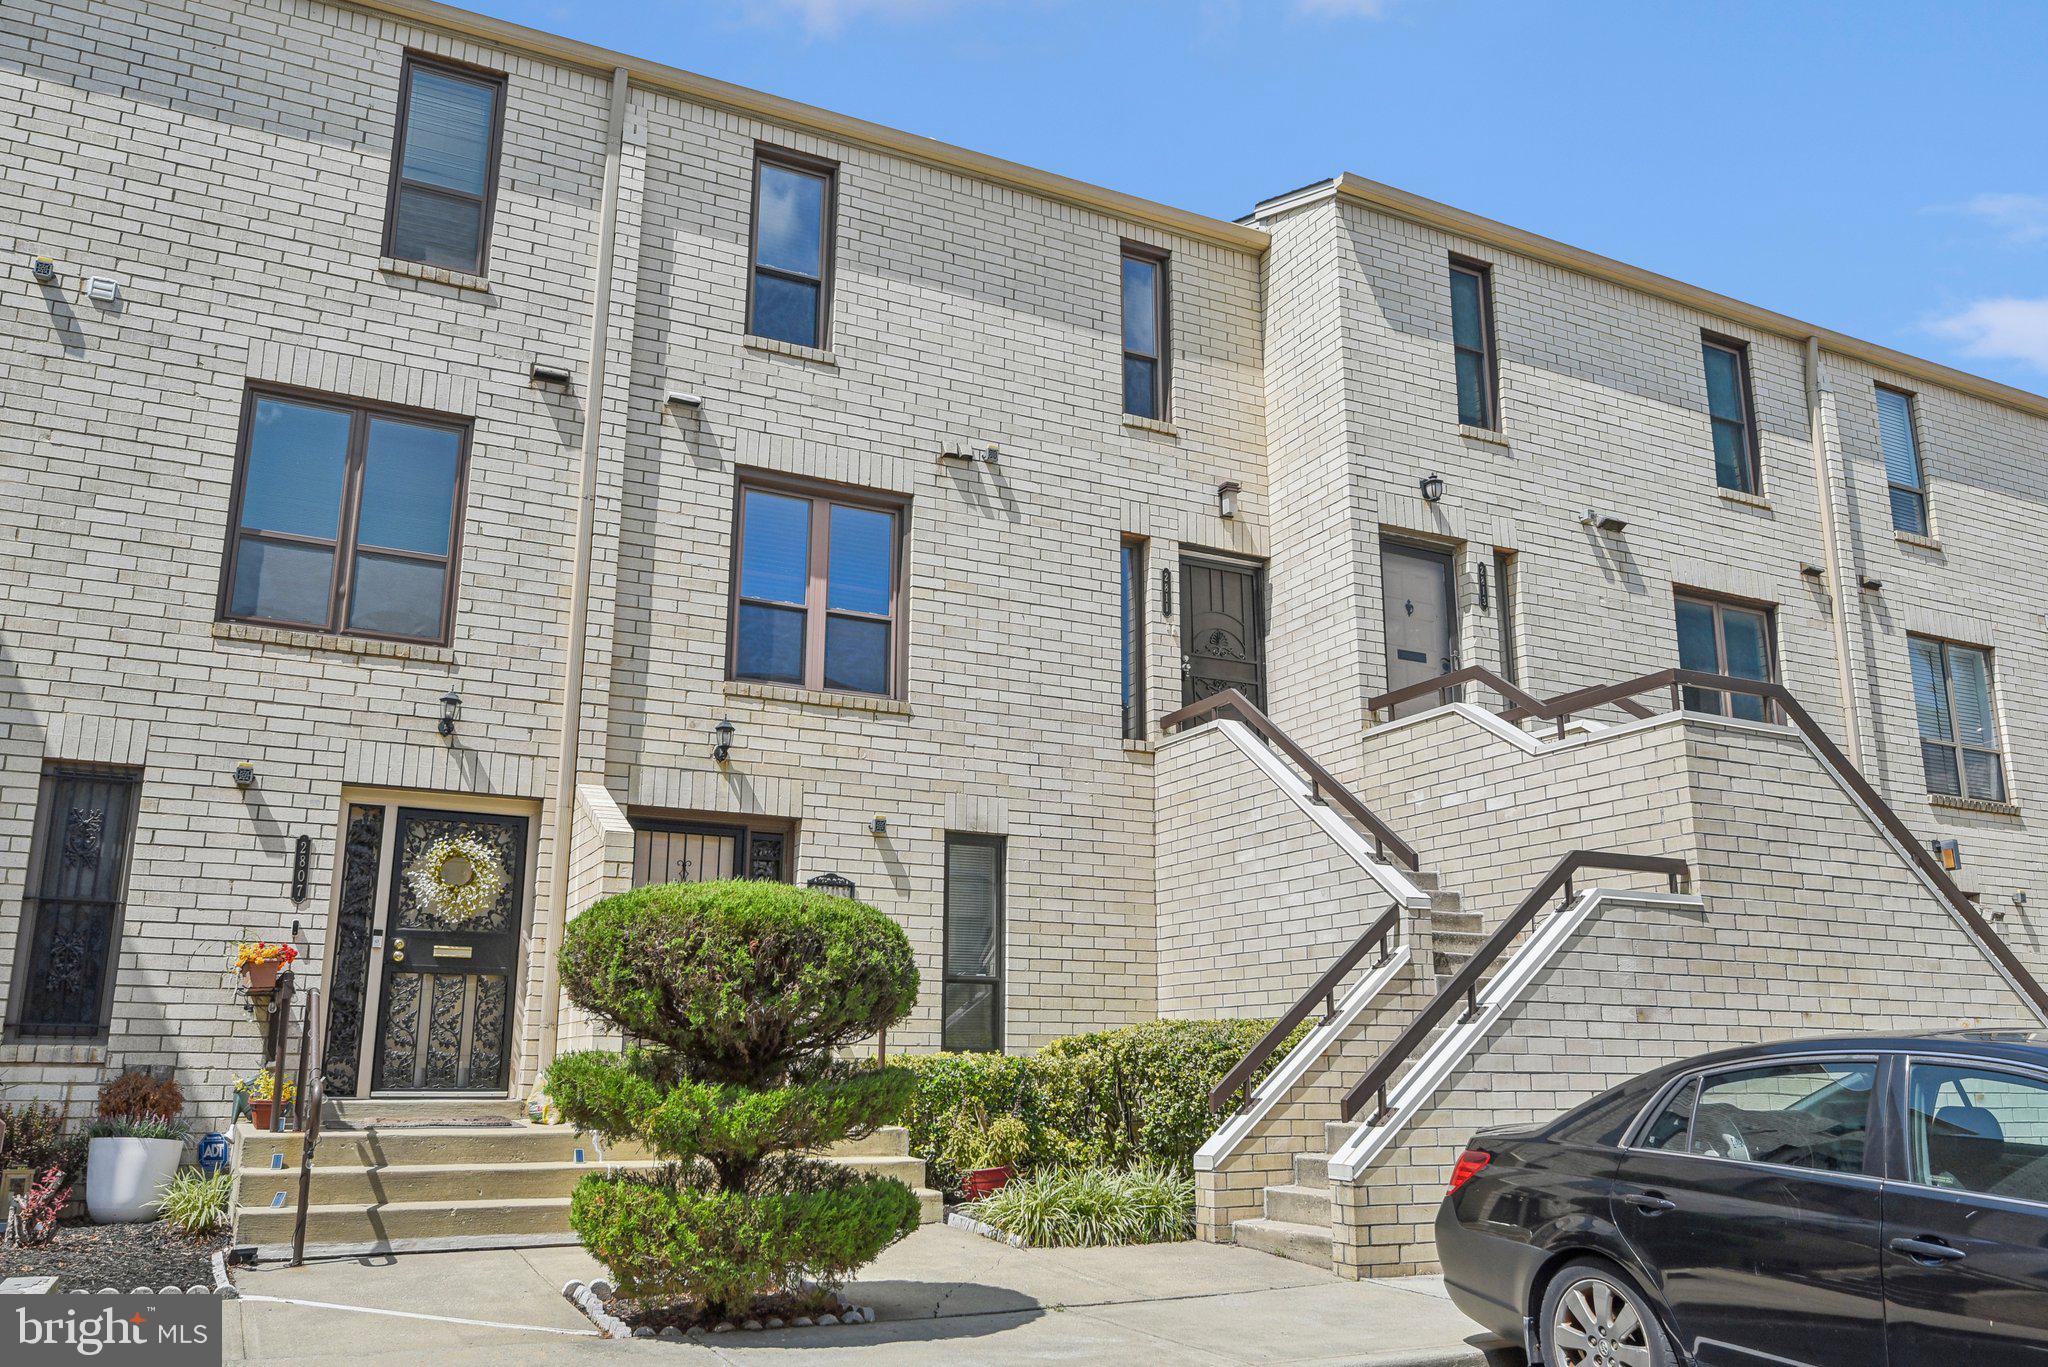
{"x": 741, "y": 992}
{"x": 1093, "y": 1207}
{"x": 196, "y": 1203}
{"x": 1122, "y": 1098}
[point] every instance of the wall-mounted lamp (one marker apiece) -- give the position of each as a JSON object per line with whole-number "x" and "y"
{"x": 1869, "y": 585}
{"x": 549, "y": 372}
{"x": 44, "y": 270}
{"x": 990, "y": 453}
{"x": 683, "y": 400}
{"x": 1812, "y": 571}
{"x": 245, "y": 775}
{"x": 878, "y": 825}
{"x": 1432, "y": 488}
{"x": 1226, "y": 498}
{"x": 721, "y": 741}
{"x": 2019, "y": 902}
{"x": 451, "y": 709}
{"x": 1949, "y": 852}
{"x": 1606, "y": 522}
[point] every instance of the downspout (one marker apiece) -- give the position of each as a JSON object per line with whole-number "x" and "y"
{"x": 1840, "y": 582}
{"x": 568, "y": 763}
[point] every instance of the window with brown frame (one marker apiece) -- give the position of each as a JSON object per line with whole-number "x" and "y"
{"x": 1472, "y": 343}
{"x": 1146, "y": 318}
{"x": 818, "y": 588}
{"x": 971, "y": 1012}
{"x": 1718, "y": 636}
{"x": 444, "y": 165}
{"x": 1959, "y": 749}
{"x": 702, "y": 848}
{"x": 790, "y": 289}
{"x": 346, "y": 518}
{"x": 1731, "y": 410}
{"x": 84, "y": 838}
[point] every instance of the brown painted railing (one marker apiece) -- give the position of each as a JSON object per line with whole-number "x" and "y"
{"x": 1775, "y": 695}
{"x": 1379, "y": 934}
{"x": 310, "y": 1088}
{"x": 1322, "y": 784}
{"x": 1466, "y": 983}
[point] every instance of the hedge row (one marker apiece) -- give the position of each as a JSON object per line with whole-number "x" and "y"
{"x": 1118, "y": 1098}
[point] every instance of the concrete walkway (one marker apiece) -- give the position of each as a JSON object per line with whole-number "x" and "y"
{"x": 942, "y": 1295}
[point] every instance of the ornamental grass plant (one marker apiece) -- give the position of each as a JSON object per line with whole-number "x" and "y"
{"x": 1092, "y": 1207}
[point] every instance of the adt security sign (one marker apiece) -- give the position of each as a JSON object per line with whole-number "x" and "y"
{"x": 110, "y": 1331}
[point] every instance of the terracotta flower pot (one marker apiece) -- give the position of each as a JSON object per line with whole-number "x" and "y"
{"x": 259, "y": 1113}
{"x": 261, "y": 977}
{"x": 985, "y": 1181}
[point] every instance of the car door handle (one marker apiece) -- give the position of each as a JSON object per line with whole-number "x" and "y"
{"x": 1928, "y": 1250}
{"x": 1650, "y": 1203}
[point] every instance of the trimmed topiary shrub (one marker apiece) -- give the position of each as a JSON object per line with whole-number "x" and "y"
{"x": 739, "y": 992}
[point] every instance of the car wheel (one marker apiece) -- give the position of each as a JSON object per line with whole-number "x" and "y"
{"x": 1594, "y": 1317}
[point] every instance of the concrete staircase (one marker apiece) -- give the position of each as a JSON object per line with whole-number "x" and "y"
{"x": 414, "y": 1175}
{"x": 1296, "y": 1219}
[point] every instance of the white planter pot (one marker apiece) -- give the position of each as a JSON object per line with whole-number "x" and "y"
{"x": 124, "y": 1177}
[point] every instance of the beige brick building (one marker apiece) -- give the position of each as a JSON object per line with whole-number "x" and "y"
{"x": 453, "y": 472}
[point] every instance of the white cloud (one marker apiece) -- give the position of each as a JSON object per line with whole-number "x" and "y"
{"x": 2001, "y": 329}
{"x": 830, "y": 16}
{"x": 2016, "y": 218}
{"x": 1342, "y": 9}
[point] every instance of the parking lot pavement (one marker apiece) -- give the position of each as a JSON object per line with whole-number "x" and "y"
{"x": 942, "y": 1295}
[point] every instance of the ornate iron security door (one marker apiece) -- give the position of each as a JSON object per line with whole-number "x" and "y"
{"x": 1222, "y": 630}
{"x": 451, "y": 952}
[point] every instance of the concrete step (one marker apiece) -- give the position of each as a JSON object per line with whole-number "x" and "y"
{"x": 1335, "y": 1132}
{"x": 394, "y": 1224}
{"x": 1448, "y": 904}
{"x": 1457, "y": 923}
{"x": 361, "y": 1112}
{"x": 1312, "y": 1170}
{"x": 1426, "y": 881}
{"x": 1300, "y": 1205}
{"x": 445, "y": 1145}
{"x": 1303, "y": 1243}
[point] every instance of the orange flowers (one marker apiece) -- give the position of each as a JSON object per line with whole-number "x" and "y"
{"x": 264, "y": 952}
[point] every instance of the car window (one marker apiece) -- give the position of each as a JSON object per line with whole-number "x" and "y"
{"x": 1810, "y": 1114}
{"x": 1674, "y": 1122}
{"x": 1977, "y": 1129}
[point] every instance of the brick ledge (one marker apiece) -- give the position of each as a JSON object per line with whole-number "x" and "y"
{"x": 49, "y": 1054}
{"x": 1974, "y": 804}
{"x": 780, "y": 348}
{"x": 847, "y": 702}
{"x": 439, "y": 275}
{"x": 320, "y": 640}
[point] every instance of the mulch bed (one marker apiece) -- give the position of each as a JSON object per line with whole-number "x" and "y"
{"x": 152, "y": 1254}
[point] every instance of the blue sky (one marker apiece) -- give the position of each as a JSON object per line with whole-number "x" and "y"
{"x": 1877, "y": 167}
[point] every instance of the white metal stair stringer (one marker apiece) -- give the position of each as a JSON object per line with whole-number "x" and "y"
{"x": 1442, "y": 1055}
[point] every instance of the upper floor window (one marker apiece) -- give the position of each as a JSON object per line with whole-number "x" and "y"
{"x": 345, "y": 518}
{"x": 1145, "y": 333}
{"x": 1902, "y": 461}
{"x": 71, "y": 908}
{"x": 1729, "y": 406}
{"x": 445, "y": 165}
{"x": 1958, "y": 731}
{"x": 1717, "y": 637}
{"x": 1472, "y": 342}
{"x": 818, "y": 596}
{"x": 791, "y": 288}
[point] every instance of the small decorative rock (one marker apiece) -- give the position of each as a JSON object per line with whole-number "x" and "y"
{"x": 671, "y": 1333}
{"x": 195, "y": 1290}
{"x": 696, "y": 1331}
{"x": 775, "y": 1321}
{"x": 572, "y": 1291}
{"x": 750, "y": 1324}
{"x": 642, "y": 1332}
{"x": 802, "y": 1321}
{"x": 602, "y": 1289}
{"x": 722, "y": 1327}
{"x": 828, "y": 1319}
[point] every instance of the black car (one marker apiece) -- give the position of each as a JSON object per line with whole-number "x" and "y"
{"x": 1872, "y": 1201}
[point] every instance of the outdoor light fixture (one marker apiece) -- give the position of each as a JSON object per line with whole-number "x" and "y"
{"x": 1949, "y": 852}
{"x": 451, "y": 708}
{"x": 245, "y": 775}
{"x": 548, "y": 372}
{"x": 2019, "y": 902}
{"x": 44, "y": 270}
{"x": 1432, "y": 488}
{"x": 1869, "y": 585}
{"x": 721, "y": 741}
{"x": 1812, "y": 571}
{"x": 1606, "y": 522}
{"x": 878, "y": 825}
{"x": 1226, "y": 498}
{"x": 683, "y": 400}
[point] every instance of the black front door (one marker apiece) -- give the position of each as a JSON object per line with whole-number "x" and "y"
{"x": 1222, "y": 629}
{"x": 1748, "y": 1206}
{"x": 1966, "y": 1231}
{"x": 451, "y": 952}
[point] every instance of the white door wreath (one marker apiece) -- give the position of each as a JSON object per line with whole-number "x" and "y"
{"x": 457, "y": 878}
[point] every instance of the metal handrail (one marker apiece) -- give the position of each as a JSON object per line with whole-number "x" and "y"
{"x": 309, "y": 1091}
{"x": 1325, "y": 990}
{"x": 1466, "y": 983}
{"x": 1776, "y": 694}
{"x": 1322, "y": 783}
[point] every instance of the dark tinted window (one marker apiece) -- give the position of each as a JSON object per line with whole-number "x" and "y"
{"x": 792, "y": 251}
{"x": 1802, "y": 1115}
{"x": 1144, "y": 296}
{"x": 1472, "y": 343}
{"x": 972, "y": 1012}
{"x": 1735, "y": 464}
